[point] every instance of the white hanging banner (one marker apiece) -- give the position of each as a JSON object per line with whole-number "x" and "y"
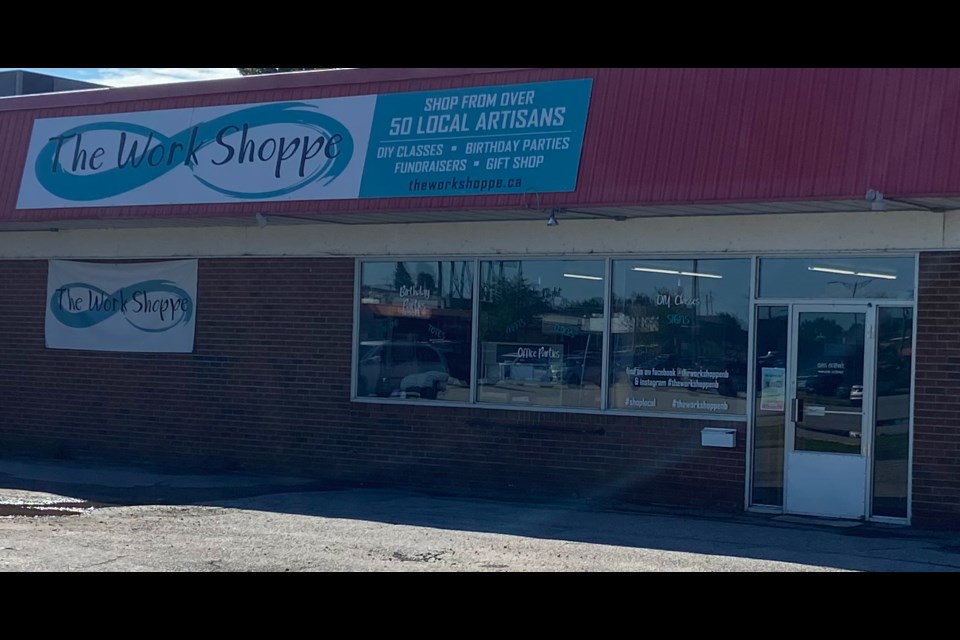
{"x": 143, "y": 307}
{"x": 488, "y": 140}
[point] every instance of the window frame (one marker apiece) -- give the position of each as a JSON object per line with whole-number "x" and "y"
{"x": 355, "y": 332}
{"x": 604, "y": 264}
{"x": 473, "y": 403}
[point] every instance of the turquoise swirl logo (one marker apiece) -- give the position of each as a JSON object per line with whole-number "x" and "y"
{"x": 310, "y": 158}
{"x": 153, "y": 306}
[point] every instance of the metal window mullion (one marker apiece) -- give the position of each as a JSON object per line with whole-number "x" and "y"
{"x": 913, "y": 385}
{"x": 475, "y": 333}
{"x": 355, "y": 348}
{"x": 869, "y": 401}
{"x": 751, "y": 383}
{"x": 607, "y": 334}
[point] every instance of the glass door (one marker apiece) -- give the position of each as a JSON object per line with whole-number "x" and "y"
{"x": 828, "y": 429}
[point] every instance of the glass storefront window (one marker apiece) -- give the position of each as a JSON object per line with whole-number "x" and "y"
{"x": 678, "y": 339}
{"x": 837, "y": 278}
{"x": 891, "y": 435}
{"x": 679, "y": 336}
{"x": 829, "y": 365}
{"x": 769, "y": 405}
{"x": 541, "y": 332}
{"x": 415, "y": 330}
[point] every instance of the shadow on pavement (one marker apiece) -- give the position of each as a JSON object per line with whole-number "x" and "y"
{"x": 841, "y": 545}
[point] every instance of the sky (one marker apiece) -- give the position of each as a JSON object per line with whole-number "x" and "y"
{"x": 128, "y": 77}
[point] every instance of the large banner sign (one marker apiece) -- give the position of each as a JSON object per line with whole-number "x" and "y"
{"x": 147, "y": 307}
{"x": 523, "y": 138}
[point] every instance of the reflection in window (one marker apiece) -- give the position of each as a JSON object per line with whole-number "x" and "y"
{"x": 541, "y": 332}
{"x": 892, "y": 413}
{"x": 415, "y": 330}
{"x": 837, "y": 278}
{"x": 770, "y": 405}
{"x": 830, "y": 350}
{"x": 679, "y": 330}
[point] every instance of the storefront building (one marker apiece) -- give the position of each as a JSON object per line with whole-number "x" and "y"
{"x": 723, "y": 288}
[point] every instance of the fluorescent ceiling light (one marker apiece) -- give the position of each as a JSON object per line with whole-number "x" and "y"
{"x": 847, "y": 272}
{"x": 581, "y": 277}
{"x": 842, "y": 272}
{"x": 884, "y": 276}
{"x": 678, "y": 273}
{"x": 667, "y": 271}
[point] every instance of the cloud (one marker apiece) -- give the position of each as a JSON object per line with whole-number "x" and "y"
{"x": 116, "y": 77}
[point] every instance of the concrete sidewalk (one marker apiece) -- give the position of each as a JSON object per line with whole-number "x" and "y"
{"x": 70, "y": 516}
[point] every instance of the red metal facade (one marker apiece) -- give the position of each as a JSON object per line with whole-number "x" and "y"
{"x": 653, "y": 137}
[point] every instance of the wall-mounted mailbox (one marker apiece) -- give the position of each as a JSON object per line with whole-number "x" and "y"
{"x": 718, "y": 437}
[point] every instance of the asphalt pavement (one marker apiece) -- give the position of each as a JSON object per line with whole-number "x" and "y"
{"x": 80, "y": 516}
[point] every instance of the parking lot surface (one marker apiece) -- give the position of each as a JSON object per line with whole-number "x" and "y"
{"x": 68, "y": 516}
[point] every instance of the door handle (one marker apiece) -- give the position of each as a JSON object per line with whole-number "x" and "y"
{"x": 796, "y": 410}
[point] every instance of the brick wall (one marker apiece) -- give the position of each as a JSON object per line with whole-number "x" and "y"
{"x": 267, "y": 389}
{"x": 936, "y": 440}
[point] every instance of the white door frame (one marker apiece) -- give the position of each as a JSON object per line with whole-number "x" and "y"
{"x": 811, "y": 479}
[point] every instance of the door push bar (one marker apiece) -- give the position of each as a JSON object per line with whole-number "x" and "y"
{"x": 797, "y": 411}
